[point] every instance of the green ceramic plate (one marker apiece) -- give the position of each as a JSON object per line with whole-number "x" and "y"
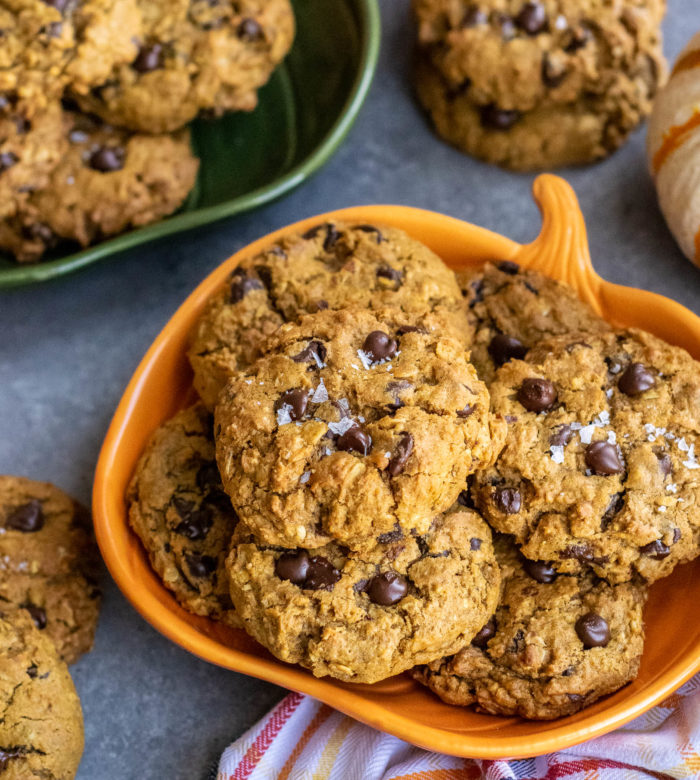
{"x": 304, "y": 113}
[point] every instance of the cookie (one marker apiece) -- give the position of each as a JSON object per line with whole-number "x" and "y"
{"x": 547, "y": 136}
{"x": 107, "y": 181}
{"x": 600, "y": 466}
{"x": 555, "y": 644}
{"x": 41, "y": 730}
{"x": 361, "y": 617}
{"x": 331, "y": 266}
{"x": 513, "y": 308}
{"x": 351, "y": 426}
{"x": 194, "y": 56}
{"x": 48, "y": 45}
{"x": 48, "y": 563}
{"x": 180, "y": 513}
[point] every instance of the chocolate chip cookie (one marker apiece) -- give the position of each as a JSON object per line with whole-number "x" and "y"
{"x": 108, "y": 181}
{"x": 331, "y": 266}
{"x": 41, "y": 730}
{"x": 555, "y": 644}
{"x": 600, "y": 467}
{"x": 352, "y": 425}
{"x": 204, "y": 55}
{"x": 180, "y": 512}
{"x": 48, "y": 563}
{"x": 513, "y": 308}
{"x": 361, "y": 617}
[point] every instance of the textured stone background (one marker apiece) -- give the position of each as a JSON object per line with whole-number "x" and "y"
{"x": 69, "y": 347}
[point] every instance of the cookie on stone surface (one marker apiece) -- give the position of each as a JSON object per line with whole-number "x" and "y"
{"x": 600, "y": 468}
{"x": 180, "y": 513}
{"x": 194, "y": 56}
{"x": 48, "y": 563}
{"x": 361, "y": 617}
{"x": 108, "y": 180}
{"x": 555, "y": 644}
{"x": 41, "y": 730}
{"x": 332, "y": 266}
{"x": 547, "y": 136}
{"x": 513, "y": 308}
{"x": 352, "y": 425}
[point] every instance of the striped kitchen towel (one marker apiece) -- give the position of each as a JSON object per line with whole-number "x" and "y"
{"x": 303, "y": 739}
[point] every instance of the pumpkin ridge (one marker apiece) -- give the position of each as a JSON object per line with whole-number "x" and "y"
{"x": 674, "y": 139}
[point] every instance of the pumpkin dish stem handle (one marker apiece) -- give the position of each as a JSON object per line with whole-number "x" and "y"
{"x": 561, "y": 249}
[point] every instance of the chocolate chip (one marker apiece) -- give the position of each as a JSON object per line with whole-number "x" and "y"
{"x": 577, "y": 39}
{"x": 355, "y": 439}
{"x": 656, "y": 550}
{"x": 390, "y": 274}
{"x": 150, "y": 57}
{"x": 506, "y": 23}
{"x": 466, "y": 412}
{"x": 23, "y": 125}
{"x": 636, "y": 379}
{"x": 379, "y": 346}
{"x": 507, "y": 500}
{"x": 7, "y": 160}
{"x": 508, "y": 267}
{"x": 532, "y": 18}
{"x": 321, "y": 575}
{"x": 295, "y": 402}
{"x": 313, "y": 352}
{"x": 537, "y": 395}
{"x": 370, "y": 229}
{"x": 26, "y": 518}
{"x": 664, "y": 460}
{"x": 465, "y": 499}
{"x": 402, "y": 330}
{"x": 515, "y": 645}
{"x": 243, "y": 282}
{"x": 250, "y": 30}
{"x": 603, "y": 458}
{"x": 580, "y": 552}
{"x": 32, "y": 671}
{"x": 474, "y": 543}
{"x": 495, "y": 118}
{"x": 394, "y": 389}
{"x": 208, "y": 476}
{"x": 391, "y": 536}
{"x": 200, "y": 565}
{"x": 107, "y": 159}
{"x": 265, "y": 274}
{"x": 477, "y": 294}
{"x": 331, "y": 239}
{"x": 593, "y": 630}
{"x": 482, "y": 638}
{"x": 575, "y": 697}
{"x": 561, "y": 435}
{"x": 676, "y": 535}
{"x": 196, "y": 521}
{"x": 38, "y": 615}
{"x": 403, "y": 451}
{"x": 553, "y": 72}
{"x": 473, "y": 16}
{"x": 387, "y": 588}
{"x": 541, "y": 571}
{"x": 293, "y": 566}
{"x": 615, "y": 505}
{"x": 504, "y": 348}
{"x": 38, "y": 231}
{"x": 321, "y": 305}
{"x": 314, "y": 231}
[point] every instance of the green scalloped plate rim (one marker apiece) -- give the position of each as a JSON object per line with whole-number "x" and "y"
{"x": 370, "y": 32}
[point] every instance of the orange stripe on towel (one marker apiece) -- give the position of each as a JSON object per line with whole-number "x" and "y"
{"x": 319, "y": 719}
{"x": 674, "y": 139}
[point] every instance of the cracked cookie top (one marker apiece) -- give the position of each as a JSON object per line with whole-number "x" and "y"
{"x": 361, "y": 617}
{"x": 331, "y": 266}
{"x": 554, "y": 645}
{"x": 179, "y": 510}
{"x": 352, "y": 425}
{"x": 600, "y": 467}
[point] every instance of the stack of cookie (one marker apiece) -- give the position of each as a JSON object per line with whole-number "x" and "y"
{"x": 94, "y": 100}
{"x": 49, "y": 605}
{"x": 363, "y": 412}
{"x": 541, "y": 84}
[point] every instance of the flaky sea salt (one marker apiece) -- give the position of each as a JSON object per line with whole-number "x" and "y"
{"x": 557, "y": 453}
{"x": 321, "y": 394}
{"x": 365, "y": 359}
{"x": 283, "y": 415}
{"x": 612, "y": 438}
{"x": 672, "y": 488}
{"x": 341, "y": 426}
{"x": 586, "y": 433}
{"x": 304, "y": 478}
{"x": 661, "y": 508}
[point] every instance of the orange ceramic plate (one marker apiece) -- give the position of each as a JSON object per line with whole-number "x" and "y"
{"x": 162, "y": 385}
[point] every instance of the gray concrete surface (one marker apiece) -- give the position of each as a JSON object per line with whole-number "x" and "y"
{"x": 68, "y": 348}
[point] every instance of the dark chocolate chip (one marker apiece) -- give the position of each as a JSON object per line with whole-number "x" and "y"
{"x": 331, "y": 239}
{"x": 676, "y": 535}
{"x": 636, "y": 379}
{"x": 486, "y": 633}
{"x": 293, "y": 566}
{"x": 355, "y": 439}
{"x": 38, "y": 615}
{"x": 107, "y": 159}
{"x": 495, "y": 118}
{"x": 474, "y": 543}
{"x": 379, "y": 346}
{"x": 614, "y": 507}
{"x": 387, "y": 588}
{"x": 504, "y": 348}
{"x": 532, "y": 18}
{"x": 32, "y": 671}
{"x": 250, "y": 30}
{"x": 593, "y": 630}
{"x": 196, "y": 521}
{"x": 553, "y": 72}
{"x": 321, "y": 305}
{"x": 402, "y": 330}
{"x": 656, "y": 550}
{"x": 464, "y": 499}
{"x": 473, "y": 16}
{"x": 577, "y": 39}
{"x": 391, "y": 536}
{"x": 541, "y": 571}
{"x": 579, "y": 552}
{"x": 477, "y": 287}
{"x": 467, "y": 411}
{"x": 295, "y": 403}
{"x": 7, "y": 160}
{"x": 390, "y": 274}
{"x": 508, "y": 267}
{"x": 321, "y": 575}
{"x": 265, "y": 274}
{"x": 26, "y": 518}
{"x": 313, "y": 352}
{"x": 515, "y": 645}
{"x": 664, "y": 460}
{"x": 23, "y": 125}
{"x": 200, "y": 565}
{"x": 403, "y": 451}
{"x": 561, "y": 435}
{"x": 394, "y": 389}
{"x": 371, "y": 229}
{"x": 208, "y": 476}
{"x": 507, "y": 500}
{"x": 575, "y": 697}
{"x": 150, "y": 57}
{"x": 314, "y": 231}
{"x": 604, "y": 458}
{"x": 537, "y": 395}
{"x": 243, "y": 282}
